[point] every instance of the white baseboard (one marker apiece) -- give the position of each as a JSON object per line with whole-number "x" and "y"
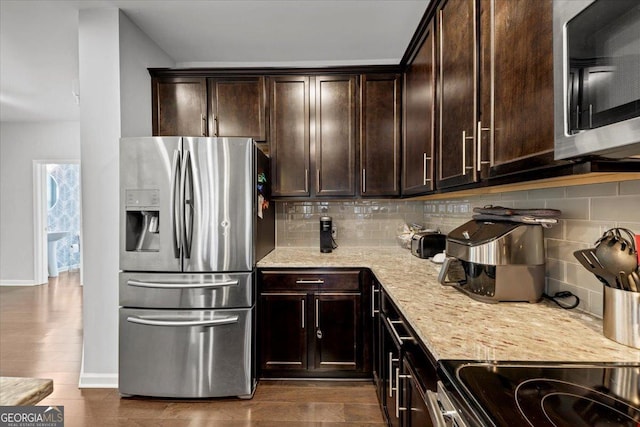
{"x": 19, "y": 283}
{"x": 90, "y": 380}
{"x": 94, "y": 380}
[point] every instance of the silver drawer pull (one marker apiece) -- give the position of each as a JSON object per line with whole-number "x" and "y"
{"x": 216, "y": 322}
{"x": 309, "y": 282}
{"x": 187, "y": 285}
{"x": 395, "y": 332}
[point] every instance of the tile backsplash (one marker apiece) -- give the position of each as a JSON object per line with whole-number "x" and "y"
{"x": 587, "y": 212}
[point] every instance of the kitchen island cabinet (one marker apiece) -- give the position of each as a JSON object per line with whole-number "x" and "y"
{"x": 312, "y": 324}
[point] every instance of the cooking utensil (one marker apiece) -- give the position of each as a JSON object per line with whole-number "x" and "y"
{"x": 623, "y": 281}
{"x": 634, "y": 281}
{"x": 616, "y": 251}
{"x": 589, "y": 260}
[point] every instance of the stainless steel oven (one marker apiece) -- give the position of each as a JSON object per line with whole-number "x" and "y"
{"x": 596, "y": 78}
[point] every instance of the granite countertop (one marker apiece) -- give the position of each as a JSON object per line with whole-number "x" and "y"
{"x": 454, "y": 326}
{"x": 16, "y": 391}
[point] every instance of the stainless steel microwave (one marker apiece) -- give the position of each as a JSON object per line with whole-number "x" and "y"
{"x": 596, "y": 61}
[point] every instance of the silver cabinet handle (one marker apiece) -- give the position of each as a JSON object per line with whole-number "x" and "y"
{"x": 306, "y": 180}
{"x": 174, "y": 213}
{"x": 479, "y": 146}
{"x": 189, "y": 323}
{"x": 203, "y": 125}
{"x": 303, "y": 312}
{"x": 435, "y": 413}
{"x": 464, "y": 152}
{"x": 215, "y": 125}
{"x": 395, "y": 332}
{"x": 424, "y": 168}
{"x": 364, "y": 180}
{"x": 391, "y": 360}
{"x": 373, "y": 301}
{"x": 309, "y": 282}
{"x": 177, "y": 285}
{"x": 317, "y": 315}
{"x": 317, "y": 180}
{"x": 398, "y": 388}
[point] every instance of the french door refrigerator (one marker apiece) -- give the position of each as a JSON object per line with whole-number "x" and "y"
{"x": 194, "y": 220}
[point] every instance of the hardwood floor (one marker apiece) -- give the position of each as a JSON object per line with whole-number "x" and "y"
{"x": 41, "y": 336}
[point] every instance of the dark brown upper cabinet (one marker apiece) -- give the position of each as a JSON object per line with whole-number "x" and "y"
{"x": 237, "y": 107}
{"x": 457, "y": 92}
{"x": 419, "y": 118}
{"x": 515, "y": 124}
{"x": 380, "y": 135}
{"x": 335, "y": 135}
{"x": 289, "y": 135}
{"x": 318, "y": 163}
{"x": 179, "y": 106}
{"x": 495, "y": 92}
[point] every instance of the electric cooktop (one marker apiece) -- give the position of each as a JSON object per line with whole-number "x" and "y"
{"x": 542, "y": 394}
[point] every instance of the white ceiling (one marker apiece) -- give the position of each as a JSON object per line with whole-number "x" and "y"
{"x": 39, "y": 40}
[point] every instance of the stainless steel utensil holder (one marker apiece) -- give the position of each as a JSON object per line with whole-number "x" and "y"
{"x": 621, "y": 316}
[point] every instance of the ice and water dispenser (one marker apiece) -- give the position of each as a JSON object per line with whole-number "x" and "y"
{"x": 142, "y": 220}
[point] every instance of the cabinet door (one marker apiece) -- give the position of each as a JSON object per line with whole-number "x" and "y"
{"x": 457, "y": 93}
{"x": 419, "y": 119}
{"x": 335, "y": 135}
{"x": 179, "y": 106}
{"x": 237, "y": 107}
{"x": 391, "y": 352}
{"x": 517, "y": 85}
{"x": 289, "y": 130}
{"x": 338, "y": 331}
{"x": 283, "y": 331}
{"x": 416, "y": 409}
{"x": 380, "y": 135}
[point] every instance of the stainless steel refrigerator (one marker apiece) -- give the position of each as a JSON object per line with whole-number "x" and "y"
{"x": 194, "y": 220}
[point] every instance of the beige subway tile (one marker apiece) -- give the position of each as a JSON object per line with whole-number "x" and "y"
{"x": 596, "y": 304}
{"x": 581, "y": 277}
{"x": 563, "y": 250}
{"x": 585, "y": 231}
{"x": 571, "y": 208}
{"x": 514, "y": 195}
{"x": 623, "y": 208}
{"x": 593, "y": 190}
{"x": 547, "y": 193}
{"x": 630, "y": 187}
{"x": 633, "y": 226}
{"x": 556, "y": 231}
{"x": 555, "y": 269}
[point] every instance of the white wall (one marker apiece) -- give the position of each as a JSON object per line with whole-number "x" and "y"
{"x": 115, "y": 101}
{"x": 20, "y": 144}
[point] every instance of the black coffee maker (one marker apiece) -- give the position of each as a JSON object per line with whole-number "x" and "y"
{"x": 326, "y": 239}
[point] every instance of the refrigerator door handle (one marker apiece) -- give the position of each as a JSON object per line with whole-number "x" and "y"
{"x": 177, "y": 285}
{"x": 175, "y": 205}
{"x": 188, "y": 323}
{"x": 186, "y": 186}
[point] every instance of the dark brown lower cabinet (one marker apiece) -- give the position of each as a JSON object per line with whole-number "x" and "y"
{"x": 284, "y": 342}
{"x": 407, "y": 370}
{"x": 312, "y": 324}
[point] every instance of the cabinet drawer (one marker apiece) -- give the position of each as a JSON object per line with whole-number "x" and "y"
{"x": 313, "y": 280}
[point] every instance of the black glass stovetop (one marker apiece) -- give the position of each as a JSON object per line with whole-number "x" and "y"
{"x": 542, "y": 394}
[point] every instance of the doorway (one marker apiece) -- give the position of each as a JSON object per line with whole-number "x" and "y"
{"x": 57, "y": 217}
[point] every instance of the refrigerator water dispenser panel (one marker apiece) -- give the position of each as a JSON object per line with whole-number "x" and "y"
{"x": 142, "y": 220}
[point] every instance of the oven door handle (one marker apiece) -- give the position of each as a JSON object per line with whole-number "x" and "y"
{"x": 437, "y": 418}
{"x": 156, "y": 285}
{"x": 189, "y": 323}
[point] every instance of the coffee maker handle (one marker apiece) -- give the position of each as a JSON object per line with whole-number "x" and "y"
{"x": 444, "y": 271}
